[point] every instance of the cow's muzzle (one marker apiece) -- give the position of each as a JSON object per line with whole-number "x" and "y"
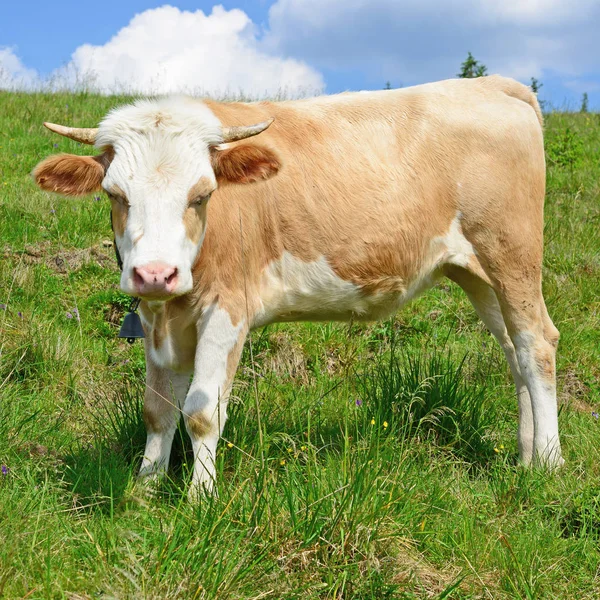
{"x": 155, "y": 280}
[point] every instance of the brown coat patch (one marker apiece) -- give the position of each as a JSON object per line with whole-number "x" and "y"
{"x": 159, "y": 328}
{"x": 119, "y": 214}
{"x": 203, "y": 188}
{"x": 199, "y": 425}
{"x": 194, "y": 217}
{"x": 194, "y": 220}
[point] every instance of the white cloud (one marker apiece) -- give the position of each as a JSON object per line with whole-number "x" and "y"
{"x": 411, "y": 42}
{"x": 13, "y": 73}
{"x": 167, "y": 50}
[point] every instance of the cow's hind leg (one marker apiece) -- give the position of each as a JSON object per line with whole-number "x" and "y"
{"x": 514, "y": 270}
{"x": 486, "y": 304}
{"x": 163, "y": 398}
{"x": 535, "y": 339}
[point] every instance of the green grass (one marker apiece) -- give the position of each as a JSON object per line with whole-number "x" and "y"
{"x": 414, "y": 492}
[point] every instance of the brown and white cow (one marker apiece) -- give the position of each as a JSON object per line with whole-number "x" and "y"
{"x": 346, "y": 207}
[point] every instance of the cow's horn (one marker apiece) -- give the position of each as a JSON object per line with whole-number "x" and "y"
{"x": 85, "y": 136}
{"x": 233, "y": 134}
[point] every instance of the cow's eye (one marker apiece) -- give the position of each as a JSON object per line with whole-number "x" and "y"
{"x": 200, "y": 200}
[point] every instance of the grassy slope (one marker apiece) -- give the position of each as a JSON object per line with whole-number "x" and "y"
{"x": 395, "y": 498}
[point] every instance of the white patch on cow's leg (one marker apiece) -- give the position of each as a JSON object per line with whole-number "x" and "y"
{"x": 165, "y": 392}
{"x": 486, "y": 304}
{"x": 205, "y": 410}
{"x": 156, "y": 458}
{"x": 536, "y": 358}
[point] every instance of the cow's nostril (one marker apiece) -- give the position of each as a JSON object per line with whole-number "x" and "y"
{"x": 138, "y": 280}
{"x": 170, "y": 278}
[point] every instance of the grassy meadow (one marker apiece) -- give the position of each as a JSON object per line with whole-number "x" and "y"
{"x": 387, "y": 465}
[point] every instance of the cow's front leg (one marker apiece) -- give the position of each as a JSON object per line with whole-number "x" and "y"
{"x": 163, "y": 397}
{"x": 220, "y": 343}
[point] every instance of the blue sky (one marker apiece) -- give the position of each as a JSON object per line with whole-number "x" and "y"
{"x": 261, "y": 46}
{"x": 46, "y": 36}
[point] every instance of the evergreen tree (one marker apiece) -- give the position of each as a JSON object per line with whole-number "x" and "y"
{"x": 472, "y": 68}
{"x": 584, "y": 103}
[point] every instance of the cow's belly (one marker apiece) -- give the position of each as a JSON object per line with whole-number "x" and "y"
{"x": 294, "y": 290}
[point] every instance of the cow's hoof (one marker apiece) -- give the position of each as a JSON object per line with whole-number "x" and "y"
{"x": 549, "y": 461}
{"x": 201, "y": 491}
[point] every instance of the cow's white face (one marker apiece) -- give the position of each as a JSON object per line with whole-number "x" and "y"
{"x": 159, "y": 181}
{"x": 161, "y": 163}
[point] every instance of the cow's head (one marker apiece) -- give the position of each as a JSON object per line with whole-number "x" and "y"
{"x": 160, "y": 163}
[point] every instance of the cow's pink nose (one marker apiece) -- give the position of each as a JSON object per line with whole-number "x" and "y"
{"x": 155, "y": 279}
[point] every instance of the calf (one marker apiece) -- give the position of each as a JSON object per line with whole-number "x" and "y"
{"x": 344, "y": 207}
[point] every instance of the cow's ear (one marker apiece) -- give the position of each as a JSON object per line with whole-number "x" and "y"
{"x": 244, "y": 164}
{"x": 72, "y": 175}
